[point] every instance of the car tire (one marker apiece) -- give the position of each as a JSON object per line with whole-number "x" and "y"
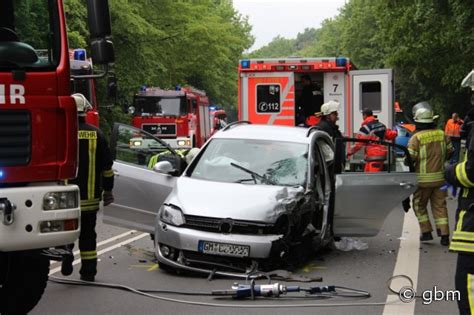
{"x": 23, "y": 280}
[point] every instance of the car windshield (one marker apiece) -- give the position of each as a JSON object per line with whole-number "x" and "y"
{"x": 253, "y": 162}
{"x": 29, "y": 35}
{"x": 162, "y": 106}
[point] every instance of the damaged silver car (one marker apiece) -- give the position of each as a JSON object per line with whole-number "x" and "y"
{"x": 254, "y": 197}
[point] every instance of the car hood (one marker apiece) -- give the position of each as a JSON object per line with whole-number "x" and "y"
{"x": 263, "y": 203}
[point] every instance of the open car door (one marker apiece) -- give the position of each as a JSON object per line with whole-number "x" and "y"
{"x": 364, "y": 200}
{"x": 138, "y": 191}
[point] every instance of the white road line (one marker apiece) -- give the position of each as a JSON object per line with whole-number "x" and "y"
{"x": 408, "y": 259}
{"x": 105, "y": 250}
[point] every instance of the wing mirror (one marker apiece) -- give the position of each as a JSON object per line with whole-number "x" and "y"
{"x": 99, "y": 26}
{"x": 164, "y": 167}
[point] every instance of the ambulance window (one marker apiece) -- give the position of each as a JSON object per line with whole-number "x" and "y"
{"x": 268, "y": 98}
{"x": 371, "y": 96}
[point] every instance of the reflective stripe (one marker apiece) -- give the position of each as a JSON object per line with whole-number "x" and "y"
{"x": 461, "y": 175}
{"x": 441, "y": 221}
{"x": 423, "y": 160}
{"x": 470, "y": 292}
{"x": 90, "y": 202}
{"x": 91, "y": 181}
{"x": 89, "y": 255}
{"x": 463, "y": 236}
{"x": 462, "y": 247}
{"x": 430, "y": 177}
{"x": 459, "y": 224}
{"x": 108, "y": 173}
{"x": 90, "y": 208}
{"x": 465, "y": 193}
{"x": 423, "y": 218}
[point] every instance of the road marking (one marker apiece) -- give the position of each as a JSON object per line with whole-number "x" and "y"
{"x": 408, "y": 260}
{"x": 153, "y": 268}
{"x": 105, "y": 250}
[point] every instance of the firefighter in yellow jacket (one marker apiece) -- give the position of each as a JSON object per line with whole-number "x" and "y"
{"x": 429, "y": 149}
{"x": 462, "y": 175}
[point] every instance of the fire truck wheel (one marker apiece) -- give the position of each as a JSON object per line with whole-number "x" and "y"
{"x": 23, "y": 279}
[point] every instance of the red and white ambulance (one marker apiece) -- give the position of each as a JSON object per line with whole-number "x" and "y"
{"x": 269, "y": 90}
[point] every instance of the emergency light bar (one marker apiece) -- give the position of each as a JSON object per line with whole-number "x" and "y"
{"x": 80, "y": 54}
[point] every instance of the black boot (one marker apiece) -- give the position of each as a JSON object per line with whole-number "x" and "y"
{"x": 444, "y": 240}
{"x": 426, "y": 237}
{"x": 66, "y": 265}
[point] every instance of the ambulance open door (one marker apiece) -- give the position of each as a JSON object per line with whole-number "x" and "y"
{"x": 372, "y": 89}
{"x": 268, "y": 98}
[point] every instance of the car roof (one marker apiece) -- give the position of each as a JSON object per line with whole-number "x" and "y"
{"x": 265, "y": 132}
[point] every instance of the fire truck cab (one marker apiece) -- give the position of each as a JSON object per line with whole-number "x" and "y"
{"x": 270, "y": 90}
{"x": 180, "y": 117}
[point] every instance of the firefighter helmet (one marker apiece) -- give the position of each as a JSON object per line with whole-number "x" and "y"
{"x": 423, "y": 113}
{"x": 82, "y": 104}
{"x": 329, "y": 107}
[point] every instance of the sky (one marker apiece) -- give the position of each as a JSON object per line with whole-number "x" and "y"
{"x": 287, "y": 18}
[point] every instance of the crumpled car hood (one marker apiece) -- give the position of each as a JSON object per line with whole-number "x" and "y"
{"x": 251, "y": 202}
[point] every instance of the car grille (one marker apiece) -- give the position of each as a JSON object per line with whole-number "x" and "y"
{"x": 235, "y": 264}
{"x": 219, "y": 225}
{"x": 15, "y": 138}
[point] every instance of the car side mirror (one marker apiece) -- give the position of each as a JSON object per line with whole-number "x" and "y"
{"x": 102, "y": 48}
{"x": 164, "y": 167}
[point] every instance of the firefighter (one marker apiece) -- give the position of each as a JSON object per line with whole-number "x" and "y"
{"x": 310, "y": 100}
{"x": 95, "y": 179}
{"x": 429, "y": 149}
{"x": 186, "y": 155}
{"x": 453, "y": 131}
{"x": 372, "y": 129}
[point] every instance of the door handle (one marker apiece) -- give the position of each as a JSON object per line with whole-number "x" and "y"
{"x": 406, "y": 185}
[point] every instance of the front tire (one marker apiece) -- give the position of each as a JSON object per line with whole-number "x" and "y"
{"x": 23, "y": 279}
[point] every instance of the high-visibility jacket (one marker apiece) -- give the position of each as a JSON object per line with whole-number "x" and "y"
{"x": 453, "y": 128}
{"x": 429, "y": 150}
{"x": 462, "y": 175}
{"x": 95, "y": 166}
{"x": 372, "y": 129}
{"x": 167, "y": 156}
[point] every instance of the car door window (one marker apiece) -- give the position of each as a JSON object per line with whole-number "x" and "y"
{"x": 135, "y": 146}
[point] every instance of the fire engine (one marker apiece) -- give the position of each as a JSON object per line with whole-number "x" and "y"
{"x": 180, "y": 117}
{"x": 269, "y": 90}
{"x": 38, "y": 143}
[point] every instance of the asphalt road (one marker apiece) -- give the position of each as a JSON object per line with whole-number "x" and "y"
{"x": 127, "y": 258}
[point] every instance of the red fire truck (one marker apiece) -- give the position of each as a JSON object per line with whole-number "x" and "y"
{"x": 180, "y": 117}
{"x": 269, "y": 90}
{"x": 38, "y": 142}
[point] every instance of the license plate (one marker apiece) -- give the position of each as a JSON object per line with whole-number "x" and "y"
{"x": 223, "y": 249}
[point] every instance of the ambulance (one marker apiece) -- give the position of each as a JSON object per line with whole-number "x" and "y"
{"x": 269, "y": 90}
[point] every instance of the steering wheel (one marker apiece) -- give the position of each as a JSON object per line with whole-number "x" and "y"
{"x": 8, "y": 35}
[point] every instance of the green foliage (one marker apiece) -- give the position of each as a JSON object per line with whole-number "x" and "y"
{"x": 166, "y": 42}
{"x": 429, "y": 44}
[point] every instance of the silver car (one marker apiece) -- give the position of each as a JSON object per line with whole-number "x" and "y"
{"x": 253, "y": 197}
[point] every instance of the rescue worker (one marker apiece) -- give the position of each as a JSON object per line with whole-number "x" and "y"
{"x": 453, "y": 131}
{"x": 372, "y": 129}
{"x": 310, "y": 100}
{"x": 429, "y": 149}
{"x": 95, "y": 179}
{"x": 186, "y": 155}
{"x": 462, "y": 175}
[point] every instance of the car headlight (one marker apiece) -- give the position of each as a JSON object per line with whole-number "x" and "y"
{"x": 60, "y": 200}
{"x": 135, "y": 143}
{"x": 171, "y": 215}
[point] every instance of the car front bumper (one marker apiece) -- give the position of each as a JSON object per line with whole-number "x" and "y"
{"x": 187, "y": 240}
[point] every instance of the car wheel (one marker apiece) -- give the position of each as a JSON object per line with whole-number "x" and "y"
{"x": 23, "y": 280}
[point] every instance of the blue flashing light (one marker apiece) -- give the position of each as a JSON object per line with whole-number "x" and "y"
{"x": 143, "y": 88}
{"x": 245, "y": 64}
{"x": 80, "y": 54}
{"x": 341, "y": 62}
{"x": 1, "y": 174}
{"x": 177, "y": 87}
{"x": 212, "y": 108}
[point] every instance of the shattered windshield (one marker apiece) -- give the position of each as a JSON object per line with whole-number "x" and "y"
{"x": 273, "y": 163}
{"x": 29, "y": 35}
{"x": 160, "y": 106}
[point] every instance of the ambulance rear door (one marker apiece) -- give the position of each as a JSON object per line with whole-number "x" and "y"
{"x": 268, "y": 98}
{"x": 372, "y": 89}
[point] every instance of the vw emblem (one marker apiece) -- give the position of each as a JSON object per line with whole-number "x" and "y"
{"x": 225, "y": 226}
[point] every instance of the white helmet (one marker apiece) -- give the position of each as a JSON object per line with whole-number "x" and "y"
{"x": 329, "y": 107}
{"x": 423, "y": 113}
{"x": 82, "y": 104}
